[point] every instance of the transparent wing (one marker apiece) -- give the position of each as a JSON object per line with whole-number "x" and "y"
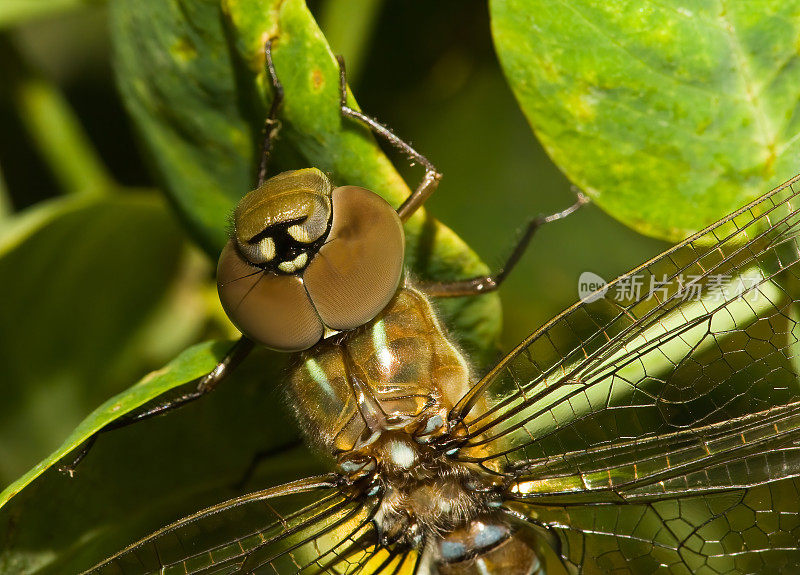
{"x": 710, "y": 336}
{"x": 738, "y": 453}
{"x": 307, "y": 526}
{"x": 724, "y": 499}
{"x": 750, "y": 530}
{"x": 657, "y": 421}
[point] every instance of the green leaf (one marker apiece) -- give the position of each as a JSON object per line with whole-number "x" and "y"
{"x": 86, "y": 282}
{"x": 192, "y": 76}
{"x": 191, "y": 364}
{"x": 670, "y": 116}
{"x": 141, "y": 478}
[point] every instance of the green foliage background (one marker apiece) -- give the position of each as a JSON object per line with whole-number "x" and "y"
{"x": 106, "y": 245}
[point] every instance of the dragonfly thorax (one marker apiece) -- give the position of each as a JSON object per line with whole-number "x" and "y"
{"x": 397, "y": 373}
{"x": 423, "y": 494}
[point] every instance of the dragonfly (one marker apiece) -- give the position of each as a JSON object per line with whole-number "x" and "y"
{"x": 652, "y": 427}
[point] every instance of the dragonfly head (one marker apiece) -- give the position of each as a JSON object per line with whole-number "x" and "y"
{"x": 306, "y": 259}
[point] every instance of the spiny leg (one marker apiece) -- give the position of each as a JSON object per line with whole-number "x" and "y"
{"x": 489, "y": 283}
{"x": 430, "y": 181}
{"x": 202, "y": 386}
{"x": 271, "y": 125}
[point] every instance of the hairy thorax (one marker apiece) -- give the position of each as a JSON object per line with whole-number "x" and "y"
{"x": 396, "y": 373}
{"x": 377, "y": 399}
{"x": 424, "y": 493}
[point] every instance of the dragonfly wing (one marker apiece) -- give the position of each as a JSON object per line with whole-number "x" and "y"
{"x": 307, "y": 526}
{"x": 654, "y": 425}
{"x": 378, "y": 560}
{"x": 739, "y": 453}
{"x": 727, "y": 504}
{"x": 730, "y": 532}
{"x": 712, "y": 336}
{"x": 745, "y": 530}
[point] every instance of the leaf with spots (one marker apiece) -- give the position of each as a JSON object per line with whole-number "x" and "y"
{"x": 669, "y": 114}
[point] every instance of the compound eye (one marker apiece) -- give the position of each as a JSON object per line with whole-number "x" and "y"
{"x": 357, "y": 271}
{"x": 273, "y": 310}
{"x": 280, "y": 225}
{"x": 304, "y": 260}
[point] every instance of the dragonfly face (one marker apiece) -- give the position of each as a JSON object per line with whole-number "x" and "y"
{"x": 653, "y": 427}
{"x": 306, "y": 260}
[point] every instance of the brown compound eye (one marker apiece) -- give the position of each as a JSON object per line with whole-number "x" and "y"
{"x": 304, "y": 260}
{"x": 273, "y": 310}
{"x": 358, "y": 269}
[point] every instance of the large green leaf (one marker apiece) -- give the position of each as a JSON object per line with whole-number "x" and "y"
{"x": 669, "y": 114}
{"x": 86, "y": 279}
{"x": 192, "y": 76}
{"x": 92, "y": 305}
{"x": 139, "y": 479}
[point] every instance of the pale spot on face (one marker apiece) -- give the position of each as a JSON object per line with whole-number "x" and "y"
{"x": 292, "y": 266}
{"x": 266, "y": 249}
{"x": 299, "y": 233}
{"x": 300, "y": 261}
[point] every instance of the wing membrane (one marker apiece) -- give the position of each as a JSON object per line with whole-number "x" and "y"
{"x": 659, "y": 431}
{"x": 726, "y": 503}
{"x": 740, "y": 453}
{"x": 307, "y": 526}
{"x": 656, "y": 364}
{"x": 734, "y": 531}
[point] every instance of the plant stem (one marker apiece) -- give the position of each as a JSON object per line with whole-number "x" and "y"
{"x": 53, "y": 127}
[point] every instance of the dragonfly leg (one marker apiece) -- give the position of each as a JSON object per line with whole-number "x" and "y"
{"x": 545, "y": 533}
{"x": 489, "y": 283}
{"x": 271, "y": 125}
{"x": 430, "y": 181}
{"x": 202, "y": 386}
